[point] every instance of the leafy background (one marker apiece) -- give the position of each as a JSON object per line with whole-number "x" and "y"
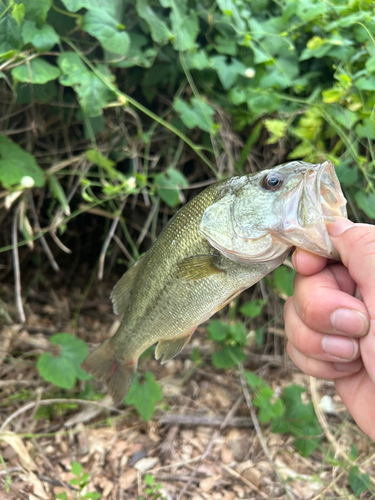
{"x": 114, "y": 114}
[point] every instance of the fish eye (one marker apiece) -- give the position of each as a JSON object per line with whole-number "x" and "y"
{"x": 273, "y": 181}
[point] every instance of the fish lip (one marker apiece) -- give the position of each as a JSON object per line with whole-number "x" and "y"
{"x": 320, "y": 199}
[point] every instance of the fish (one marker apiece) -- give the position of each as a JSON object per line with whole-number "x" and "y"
{"x": 220, "y": 243}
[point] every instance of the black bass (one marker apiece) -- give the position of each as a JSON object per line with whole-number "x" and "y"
{"x": 220, "y": 243}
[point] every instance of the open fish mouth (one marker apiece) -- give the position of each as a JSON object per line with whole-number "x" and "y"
{"x": 317, "y": 201}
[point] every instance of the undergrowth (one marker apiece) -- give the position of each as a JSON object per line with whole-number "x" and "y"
{"x": 114, "y": 114}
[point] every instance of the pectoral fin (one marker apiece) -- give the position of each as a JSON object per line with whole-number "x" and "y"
{"x": 170, "y": 348}
{"x": 198, "y": 267}
{"x": 121, "y": 294}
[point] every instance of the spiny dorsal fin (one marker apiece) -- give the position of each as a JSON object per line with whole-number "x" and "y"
{"x": 198, "y": 267}
{"x": 121, "y": 294}
{"x": 170, "y": 348}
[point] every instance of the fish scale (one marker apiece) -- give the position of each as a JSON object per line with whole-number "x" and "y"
{"x": 220, "y": 243}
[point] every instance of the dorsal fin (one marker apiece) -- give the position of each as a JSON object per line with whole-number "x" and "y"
{"x": 121, "y": 294}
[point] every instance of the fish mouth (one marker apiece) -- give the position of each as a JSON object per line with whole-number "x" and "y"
{"x": 317, "y": 201}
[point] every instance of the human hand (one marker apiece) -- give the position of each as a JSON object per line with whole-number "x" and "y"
{"x": 331, "y": 333}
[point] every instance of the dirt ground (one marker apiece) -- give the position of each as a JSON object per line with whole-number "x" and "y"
{"x": 203, "y": 441}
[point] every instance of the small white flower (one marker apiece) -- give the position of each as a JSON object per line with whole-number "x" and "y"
{"x": 27, "y": 181}
{"x": 250, "y": 72}
{"x": 132, "y": 183}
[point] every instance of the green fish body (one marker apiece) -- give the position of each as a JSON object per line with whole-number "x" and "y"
{"x": 208, "y": 253}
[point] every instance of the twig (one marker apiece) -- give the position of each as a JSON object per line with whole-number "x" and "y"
{"x": 122, "y": 247}
{"x": 204, "y": 420}
{"x": 58, "y": 242}
{"x": 110, "y": 234}
{"x": 242, "y": 478}
{"x": 259, "y": 431}
{"x": 51, "y": 401}
{"x": 147, "y": 224}
{"x": 16, "y": 267}
{"x": 43, "y": 242}
{"x": 215, "y": 435}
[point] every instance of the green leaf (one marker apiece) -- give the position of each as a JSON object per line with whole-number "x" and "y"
{"x": 75, "y": 5}
{"x": 197, "y": 114}
{"x": 367, "y": 129}
{"x": 159, "y": 30}
{"x": 358, "y": 482}
{"x": 168, "y": 186}
{"x": 283, "y": 280}
{"x": 227, "y": 72}
{"x": 100, "y": 160}
{"x": 228, "y": 356}
{"x": 36, "y": 10}
{"x": 16, "y": 164}
{"x": 42, "y": 39}
{"x": 93, "y": 93}
{"x": 59, "y": 193}
{"x": 268, "y": 410}
{"x": 101, "y": 25}
{"x": 277, "y": 129}
{"x": 144, "y": 394}
{"x": 64, "y": 369}
{"x": 347, "y": 173}
{"x": 37, "y": 71}
{"x": 77, "y": 468}
{"x": 10, "y": 34}
{"x": 18, "y": 13}
{"x": 254, "y": 381}
{"x": 238, "y": 333}
{"x": 332, "y": 95}
{"x": 218, "y": 330}
{"x": 366, "y": 202}
{"x": 185, "y": 26}
{"x": 366, "y": 83}
{"x": 260, "y": 103}
{"x": 253, "y": 308}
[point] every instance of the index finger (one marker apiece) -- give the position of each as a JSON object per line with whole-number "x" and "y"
{"x": 307, "y": 263}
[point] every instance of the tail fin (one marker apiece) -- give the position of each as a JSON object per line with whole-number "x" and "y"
{"x": 118, "y": 375}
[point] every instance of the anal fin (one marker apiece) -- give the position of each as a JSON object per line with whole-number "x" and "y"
{"x": 170, "y": 348}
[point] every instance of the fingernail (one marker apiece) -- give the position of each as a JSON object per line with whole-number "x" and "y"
{"x": 339, "y": 227}
{"x": 349, "y": 322}
{"x": 340, "y": 347}
{"x": 352, "y": 367}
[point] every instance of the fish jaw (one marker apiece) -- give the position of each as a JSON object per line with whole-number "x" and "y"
{"x": 316, "y": 201}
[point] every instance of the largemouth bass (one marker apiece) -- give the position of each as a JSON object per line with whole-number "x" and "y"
{"x": 220, "y": 243}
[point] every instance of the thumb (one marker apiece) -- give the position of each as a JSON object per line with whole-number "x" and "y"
{"x": 356, "y": 245}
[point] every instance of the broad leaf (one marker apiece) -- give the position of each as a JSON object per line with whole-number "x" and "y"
{"x": 16, "y": 164}
{"x": 36, "y": 71}
{"x": 10, "y": 34}
{"x": 93, "y": 93}
{"x": 366, "y": 202}
{"x": 144, "y": 394}
{"x": 253, "y": 308}
{"x": 36, "y": 10}
{"x": 197, "y": 114}
{"x": 217, "y": 330}
{"x": 64, "y": 369}
{"x": 228, "y": 356}
{"x": 283, "y": 280}
{"x": 227, "y": 72}
{"x": 159, "y": 30}
{"x": 358, "y": 482}
{"x": 101, "y": 25}
{"x": 42, "y": 39}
